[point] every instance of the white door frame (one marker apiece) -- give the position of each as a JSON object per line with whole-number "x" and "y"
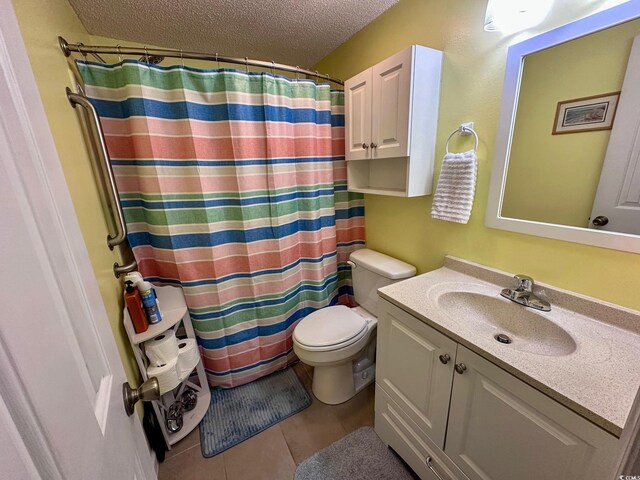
{"x": 27, "y": 450}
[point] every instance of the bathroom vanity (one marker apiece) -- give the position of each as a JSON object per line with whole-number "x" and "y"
{"x": 457, "y": 403}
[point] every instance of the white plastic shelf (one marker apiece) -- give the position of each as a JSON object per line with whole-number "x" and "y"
{"x": 174, "y": 311}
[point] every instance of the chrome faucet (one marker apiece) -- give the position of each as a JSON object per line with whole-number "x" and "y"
{"x": 524, "y": 295}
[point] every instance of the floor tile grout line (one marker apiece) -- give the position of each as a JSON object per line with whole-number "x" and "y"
{"x": 224, "y": 465}
{"x": 284, "y": 437}
{"x": 289, "y": 448}
{"x": 180, "y": 453}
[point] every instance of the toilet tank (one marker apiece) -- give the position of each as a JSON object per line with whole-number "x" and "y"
{"x": 372, "y": 270}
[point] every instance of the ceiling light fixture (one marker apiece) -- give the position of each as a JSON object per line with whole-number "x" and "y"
{"x": 515, "y": 15}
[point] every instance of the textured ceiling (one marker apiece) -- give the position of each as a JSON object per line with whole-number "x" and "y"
{"x": 297, "y": 32}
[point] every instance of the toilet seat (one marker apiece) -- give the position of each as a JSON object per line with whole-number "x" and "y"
{"x": 330, "y": 328}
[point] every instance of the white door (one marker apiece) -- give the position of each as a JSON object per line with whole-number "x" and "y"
{"x": 357, "y": 107}
{"x": 60, "y": 373}
{"x": 390, "y": 106}
{"x": 415, "y": 368}
{"x": 495, "y": 417}
{"x": 618, "y": 196}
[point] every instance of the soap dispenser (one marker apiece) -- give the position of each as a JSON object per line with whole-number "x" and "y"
{"x": 134, "y": 306}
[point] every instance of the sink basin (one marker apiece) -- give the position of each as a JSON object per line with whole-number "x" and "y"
{"x": 528, "y": 330}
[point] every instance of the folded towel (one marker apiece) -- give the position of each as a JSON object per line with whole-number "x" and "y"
{"x": 453, "y": 199}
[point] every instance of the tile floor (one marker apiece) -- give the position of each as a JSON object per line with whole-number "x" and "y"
{"x": 274, "y": 453}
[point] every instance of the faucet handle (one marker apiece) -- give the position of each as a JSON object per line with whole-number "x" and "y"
{"x": 525, "y": 283}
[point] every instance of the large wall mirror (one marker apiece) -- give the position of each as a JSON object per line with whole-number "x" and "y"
{"x": 567, "y": 160}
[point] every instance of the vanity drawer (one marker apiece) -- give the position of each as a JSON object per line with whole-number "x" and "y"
{"x": 398, "y": 431}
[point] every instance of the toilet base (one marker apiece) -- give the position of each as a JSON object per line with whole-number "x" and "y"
{"x": 336, "y": 384}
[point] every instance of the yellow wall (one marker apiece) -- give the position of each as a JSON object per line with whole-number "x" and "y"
{"x": 553, "y": 178}
{"x": 472, "y": 79}
{"x": 41, "y": 21}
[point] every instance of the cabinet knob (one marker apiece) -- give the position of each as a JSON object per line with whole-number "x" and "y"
{"x": 365, "y": 146}
{"x": 444, "y": 358}
{"x": 460, "y": 368}
{"x": 374, "y": 145}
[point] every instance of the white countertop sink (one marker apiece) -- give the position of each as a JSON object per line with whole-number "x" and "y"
{"x": 528, "y": 330}
{"x": 584, "y": 353}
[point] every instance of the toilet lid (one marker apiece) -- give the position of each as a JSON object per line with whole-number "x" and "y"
{"x": 329, "y": 326}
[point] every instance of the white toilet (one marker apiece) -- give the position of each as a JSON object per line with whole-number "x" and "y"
{"x": 340, "y": 342}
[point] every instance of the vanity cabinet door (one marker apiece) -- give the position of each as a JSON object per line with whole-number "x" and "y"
{"x": 410, "y": 371}
{"x": 502, "y": 429}
{"x": 357, "y": 105}
{"x": 391, "y": 106}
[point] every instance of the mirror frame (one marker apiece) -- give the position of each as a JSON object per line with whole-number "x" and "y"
{"x": 513, "y": 75}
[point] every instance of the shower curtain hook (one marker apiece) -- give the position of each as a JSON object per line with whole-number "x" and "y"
{"x": 146, "y": 54}
{"x": 317, "y": 78}
{"x": 80, "y": 45}
{"x": 217, "y": 61}
{"x": 273, "y": 68}
{"x": 297, "y": 73}
{"x": 119, "y": 55}
{"x": 246, "y": 64}
{"x": 181, "y": 58}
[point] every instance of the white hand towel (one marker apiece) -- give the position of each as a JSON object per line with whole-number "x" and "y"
{"x": 456, "y": 188}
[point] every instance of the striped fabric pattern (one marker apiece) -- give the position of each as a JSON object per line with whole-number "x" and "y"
{"x": 233, "y": 185}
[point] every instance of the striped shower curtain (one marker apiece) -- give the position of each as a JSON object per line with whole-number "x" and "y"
{"x": 233, "y": 186}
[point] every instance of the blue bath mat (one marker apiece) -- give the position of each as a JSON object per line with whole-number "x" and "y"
{"x": 236, "y": 414}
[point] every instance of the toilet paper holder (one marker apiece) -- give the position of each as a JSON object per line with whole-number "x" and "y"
{"x": 149, "y": 390}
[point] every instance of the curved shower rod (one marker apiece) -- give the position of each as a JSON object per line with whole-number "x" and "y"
{"x": 67, "y": 48}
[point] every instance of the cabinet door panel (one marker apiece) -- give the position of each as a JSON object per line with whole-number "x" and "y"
{"x": 410, "y": 371}
{"x": 501, "y": 429}
{"x": 357, "y": 105}
{"x": 390, "y": 108}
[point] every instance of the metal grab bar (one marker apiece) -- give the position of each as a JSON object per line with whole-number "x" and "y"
{"x": 98, "y": 134}
{"x": 122, "y": 269}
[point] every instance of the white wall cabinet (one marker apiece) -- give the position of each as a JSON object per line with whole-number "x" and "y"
{"x": 358, "y": 116}
{"x": 492, "y": 426}
{"x": 391, "y": 114}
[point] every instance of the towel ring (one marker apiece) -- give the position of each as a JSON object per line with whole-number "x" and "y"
{"x": 462, "y": 130}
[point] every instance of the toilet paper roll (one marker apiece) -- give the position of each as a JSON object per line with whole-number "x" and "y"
{"x": 167, "y": 375}
{"x": 188, "y": 356}
{"x": 162, "y": 349}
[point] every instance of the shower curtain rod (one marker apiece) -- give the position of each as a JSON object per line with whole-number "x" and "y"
{"x": 95, "y": 50}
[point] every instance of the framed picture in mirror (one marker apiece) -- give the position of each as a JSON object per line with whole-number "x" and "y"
{"x": 586, "y": 114}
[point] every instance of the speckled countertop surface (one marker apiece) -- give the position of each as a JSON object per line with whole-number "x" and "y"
{"x": 594, "y": 371}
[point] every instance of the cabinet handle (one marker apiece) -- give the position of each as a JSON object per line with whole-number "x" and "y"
{"x": 460, "y": 368}
{"x": 444, "y": 358}
{"x": 433, "y": 470}
{"x": 374, "y": 145}
{"x": 365, "y": 146}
